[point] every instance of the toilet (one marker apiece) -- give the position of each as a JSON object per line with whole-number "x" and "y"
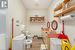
{"x": 28, "y": 43}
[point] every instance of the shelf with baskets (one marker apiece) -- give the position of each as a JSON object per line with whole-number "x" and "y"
{"x": 37, "y": 19}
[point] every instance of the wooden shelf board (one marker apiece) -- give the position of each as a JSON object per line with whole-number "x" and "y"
{"x": 72, "y": 8}
{"x": 61, "y": 5}
{"x": 36, "y": 22}
{"x": 65, "y": 1}
{"x": 58, "y": 7}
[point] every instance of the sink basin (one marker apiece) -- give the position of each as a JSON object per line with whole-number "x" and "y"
{"x": 20, "y": 37}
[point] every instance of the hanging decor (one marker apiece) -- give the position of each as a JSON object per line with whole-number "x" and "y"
{"x": 48, "y": 24}
{"x": 39, "y": 19}
{"x": 54, "y": 25}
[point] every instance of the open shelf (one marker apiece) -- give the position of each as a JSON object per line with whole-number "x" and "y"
{"x": 72, "y": 8}
{"x": 65, "y": 1}
{"x": 61, "y": 5}
{"x": 37, "y": 19}
{"x": 58, "y": 7}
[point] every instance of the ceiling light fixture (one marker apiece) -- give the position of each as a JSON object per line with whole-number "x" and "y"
{"x": 36, "y": 3}
{"x": 36, "y": 0}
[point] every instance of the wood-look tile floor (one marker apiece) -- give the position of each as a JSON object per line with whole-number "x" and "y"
{"x": 36, "y": 44}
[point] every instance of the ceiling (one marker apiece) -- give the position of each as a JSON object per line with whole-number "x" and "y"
{"x": 36, "y": 4}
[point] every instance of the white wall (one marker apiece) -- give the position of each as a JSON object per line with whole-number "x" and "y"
{"x": 35, "y": 28}
{"x": 70, "y": 29}
{"x": 16, "y": 10}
